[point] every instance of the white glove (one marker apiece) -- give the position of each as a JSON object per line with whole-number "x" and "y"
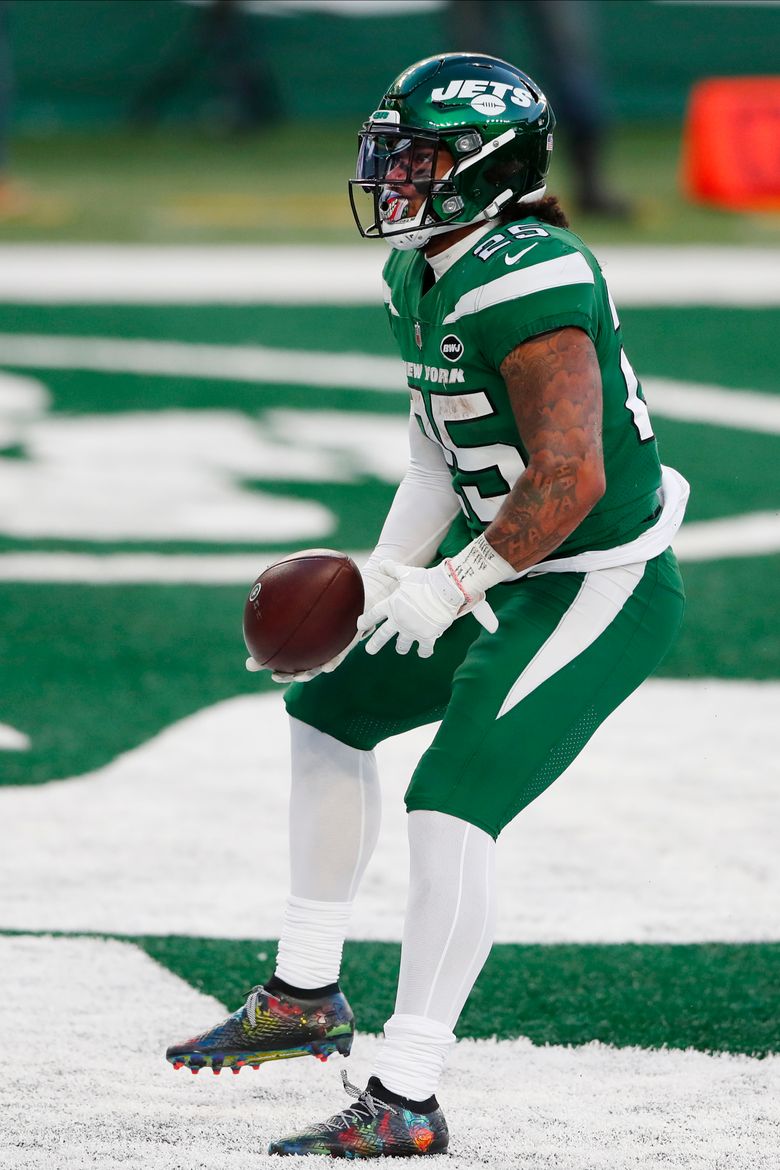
{"x": 376, "y": 585}
{"x": 304, "y": 675}
{"x": 425, "y": 604}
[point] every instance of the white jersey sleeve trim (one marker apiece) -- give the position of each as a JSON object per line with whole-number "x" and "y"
{"x": 572, "y": 268}
{"x": 389, "y": 299}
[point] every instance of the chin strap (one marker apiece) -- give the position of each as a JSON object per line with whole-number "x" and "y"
{"x": 492, "y": 210}
{"x": 419, "y": 237}
{"x": 533, "y": 196}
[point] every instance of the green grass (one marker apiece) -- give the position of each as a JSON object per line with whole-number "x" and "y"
{"x": 89, "y": 673}
{"x": 289, "y": 185}
{"x": 86, "y": 672}
{"x": 712, "y": 997}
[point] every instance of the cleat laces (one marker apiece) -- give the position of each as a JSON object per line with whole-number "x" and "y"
{"x": 364, "y": 1102}
{"x": 252, "y": 1001}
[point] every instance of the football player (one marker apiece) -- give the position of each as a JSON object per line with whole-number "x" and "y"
{"x": 522, "y": 586}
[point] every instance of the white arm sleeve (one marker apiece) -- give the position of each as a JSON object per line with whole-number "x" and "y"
{"x": 423, "y": 508}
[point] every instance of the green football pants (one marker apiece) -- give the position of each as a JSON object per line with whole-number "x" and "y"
{"x": 516, "y": 706}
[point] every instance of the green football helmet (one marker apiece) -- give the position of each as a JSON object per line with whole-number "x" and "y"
{"x": 492, "y": 120}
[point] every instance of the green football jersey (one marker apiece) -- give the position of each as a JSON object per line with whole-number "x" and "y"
{"x": 521, "y": 280}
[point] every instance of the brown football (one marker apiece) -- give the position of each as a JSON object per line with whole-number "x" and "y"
{"x": 303, "y": 610}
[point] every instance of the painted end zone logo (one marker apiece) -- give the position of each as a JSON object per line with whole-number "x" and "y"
{"x": 451, "y": 348}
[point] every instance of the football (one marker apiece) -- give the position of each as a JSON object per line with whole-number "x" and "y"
{"x": 303, "y": 610}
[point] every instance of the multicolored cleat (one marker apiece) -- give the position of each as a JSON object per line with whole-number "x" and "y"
{"x": 378, "y": 1125}
{"x": 272, "y": 1025}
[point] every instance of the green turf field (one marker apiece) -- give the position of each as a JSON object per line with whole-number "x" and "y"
{"x": 709, "y": 997}
{"x": 157, "y": 427}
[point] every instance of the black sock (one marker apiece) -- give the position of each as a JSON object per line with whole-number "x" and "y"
{"x": 378, "y": 1090}
{"x": 275, "y": 984}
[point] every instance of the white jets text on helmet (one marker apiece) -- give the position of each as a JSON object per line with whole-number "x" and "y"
{"x": 468, "y": 88}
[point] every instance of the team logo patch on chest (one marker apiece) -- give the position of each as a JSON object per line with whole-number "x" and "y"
{"x": 451, "y": 348}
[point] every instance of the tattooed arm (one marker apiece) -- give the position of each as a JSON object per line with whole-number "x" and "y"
{"x": 554, "y": 385}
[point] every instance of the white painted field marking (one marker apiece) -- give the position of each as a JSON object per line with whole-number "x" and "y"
{"x": 22, "y": 399}
{"x": 136, "y": 568}
{"x": 12, "y": 740}
{"x": 747, "y": 410}
{"x": 101, "y": 1094}
{"x": 179, "y": 474}
{"x": 357, "y": 442}
{"x": 665, "y": 829}
{"x": 165, "y": 475}
{"x": 182, "y": 475}
{"x": 691, "y": 401}
{"x": 755, "y": 534}
{"x": 238, "y": 363}
{"x": 127, "y": 274}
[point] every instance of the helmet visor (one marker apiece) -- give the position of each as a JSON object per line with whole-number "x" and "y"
{"x": 398, "y": 158}
{"x": 395, "y": 181}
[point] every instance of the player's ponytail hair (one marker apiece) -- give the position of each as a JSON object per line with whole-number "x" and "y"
{"x": 548, "y": 210}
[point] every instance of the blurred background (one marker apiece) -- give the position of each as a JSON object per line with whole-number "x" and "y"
{"x": 235, "y": 120}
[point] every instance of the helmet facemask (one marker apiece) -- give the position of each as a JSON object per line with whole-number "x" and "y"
{"x": 409, "y": 205}
{"x": 396, "y": 169}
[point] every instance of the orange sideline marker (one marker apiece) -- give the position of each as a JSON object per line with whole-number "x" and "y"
{"x": 731, "y": 143}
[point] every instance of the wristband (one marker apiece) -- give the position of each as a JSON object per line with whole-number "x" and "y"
{"x": 478, "y": 567}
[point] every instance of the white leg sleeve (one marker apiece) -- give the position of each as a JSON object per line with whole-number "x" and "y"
{"x": 335, "y": 810}
{"x": 450, "y": 922}
{"x": 450, "y": 917}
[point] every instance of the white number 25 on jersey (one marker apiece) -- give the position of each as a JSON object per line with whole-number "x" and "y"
{"x": 493, "y": 468}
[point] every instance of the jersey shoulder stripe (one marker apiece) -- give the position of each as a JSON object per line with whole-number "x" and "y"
{"x": 568, "y": 269}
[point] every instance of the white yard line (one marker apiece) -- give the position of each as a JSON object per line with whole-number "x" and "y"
{"x": 136, "y": 568}
{"x": 87, "y": 1085}
{"x": 745, "y": 410}
{"x": 126, "y": 274}
{"x": 665, "y": 829}
{"x": 236, "y": 363}
{"x": 754, "y": 534}
{"x": 668, "y": 397}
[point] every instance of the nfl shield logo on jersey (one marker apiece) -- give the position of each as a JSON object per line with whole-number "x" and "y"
{"x": 418, "y": 334}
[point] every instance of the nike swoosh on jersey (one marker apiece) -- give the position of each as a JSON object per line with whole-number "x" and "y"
{"x": 514, "y": 259}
